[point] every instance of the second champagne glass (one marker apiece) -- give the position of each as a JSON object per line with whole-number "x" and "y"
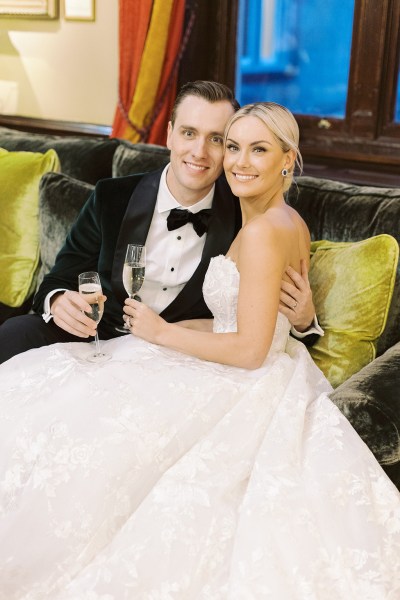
{"x": 133, "y": 274}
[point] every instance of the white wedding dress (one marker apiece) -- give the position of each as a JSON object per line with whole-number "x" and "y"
{"x": 157, "y": 476}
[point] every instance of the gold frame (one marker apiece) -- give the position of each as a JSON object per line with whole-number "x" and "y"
{"x": 79, "y": 10}
{"x": 34, "y": 9}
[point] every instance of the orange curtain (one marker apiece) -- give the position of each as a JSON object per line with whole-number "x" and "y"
{"x": 151, "y": 34}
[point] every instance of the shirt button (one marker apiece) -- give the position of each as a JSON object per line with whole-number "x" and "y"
{"x": 172, "y": 268}
{"x": 164, "y": 289}
{"x": 179, "y": 237}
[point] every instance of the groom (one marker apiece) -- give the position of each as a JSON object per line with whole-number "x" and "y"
{"x": 142, "y": 209}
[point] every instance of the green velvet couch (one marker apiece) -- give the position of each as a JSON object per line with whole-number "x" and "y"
{"x": 370, "y": 398}
{"x": 334, "y": 211}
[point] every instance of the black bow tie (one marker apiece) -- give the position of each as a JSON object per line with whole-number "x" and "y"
{"x": 179, "y": 217}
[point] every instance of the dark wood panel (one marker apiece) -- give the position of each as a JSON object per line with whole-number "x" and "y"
{"x": 366, "y": 68}
{"x": 350, "y": 172}
{"x": 391, "y": 66}
{"x": 384, "y": 150}
{"x": 211, "y": 51}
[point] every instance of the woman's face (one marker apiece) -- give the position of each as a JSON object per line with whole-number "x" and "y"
{"x": 254, "y": 160}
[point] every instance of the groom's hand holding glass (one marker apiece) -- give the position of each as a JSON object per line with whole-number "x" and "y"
{"x": 68, "y": 310}
{"x": 90, "y": 289}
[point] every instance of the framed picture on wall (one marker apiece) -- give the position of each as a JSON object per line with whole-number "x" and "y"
{"x": 79, "y": 10}
{"x": 29, "y": 9}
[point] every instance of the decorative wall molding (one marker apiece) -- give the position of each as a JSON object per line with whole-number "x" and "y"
{"x": 29, "y": 9}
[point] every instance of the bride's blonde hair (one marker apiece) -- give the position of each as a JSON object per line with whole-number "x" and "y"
{"x": 282, "y": 125}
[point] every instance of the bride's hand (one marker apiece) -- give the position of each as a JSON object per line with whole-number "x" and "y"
{"x": 143, "y": 321}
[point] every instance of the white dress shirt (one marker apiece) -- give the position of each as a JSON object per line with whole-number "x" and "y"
{"x": 171, "y": 256}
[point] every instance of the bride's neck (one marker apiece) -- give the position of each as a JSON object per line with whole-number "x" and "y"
{"x": 254, "y": 207}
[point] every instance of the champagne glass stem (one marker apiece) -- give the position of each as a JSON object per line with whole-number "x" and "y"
{"x": 96, "y": 339}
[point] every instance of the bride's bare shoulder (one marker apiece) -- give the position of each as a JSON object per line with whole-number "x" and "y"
{"x": 266, "y": 232}
{"x": 300, "y": 223}
{"x": 278, "y": 229}
{"x": 279, "y": 220}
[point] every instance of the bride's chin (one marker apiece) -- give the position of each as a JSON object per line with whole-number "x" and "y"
{"x": 235, "y": 185}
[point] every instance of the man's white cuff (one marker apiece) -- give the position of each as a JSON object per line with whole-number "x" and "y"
{"x": 314, "y": 328}
{"x": 47, "y": 316}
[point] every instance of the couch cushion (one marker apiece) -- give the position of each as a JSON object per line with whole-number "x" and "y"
{"x": 352, "y": 287}
{"x": 130, "y": 159}
{"x": 60, "y": 199}
{"x": 86, "y": 158}
{"x": 20, "y": 173}
{"x": 343, "y": 212}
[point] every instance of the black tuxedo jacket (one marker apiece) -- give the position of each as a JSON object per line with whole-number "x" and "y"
{"x": 119, "y": 212}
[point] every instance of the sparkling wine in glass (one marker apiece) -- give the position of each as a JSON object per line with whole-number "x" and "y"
{"x": 90, "y": 289}
{"x": 133, "y": 274}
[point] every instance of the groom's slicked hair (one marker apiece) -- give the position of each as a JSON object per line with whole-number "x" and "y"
{"x": 211, "y": 91}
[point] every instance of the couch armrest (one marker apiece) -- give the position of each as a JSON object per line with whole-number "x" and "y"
{"x": 370, "y": 400}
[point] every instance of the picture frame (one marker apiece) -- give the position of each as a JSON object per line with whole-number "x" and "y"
{"x": 29, "y": 9}
{"x": 79, "y": 10}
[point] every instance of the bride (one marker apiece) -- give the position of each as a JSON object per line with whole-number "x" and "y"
{"x": 197, "y": 464}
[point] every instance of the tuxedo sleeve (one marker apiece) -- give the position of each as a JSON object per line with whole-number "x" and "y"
{"x": 79, "y": 253}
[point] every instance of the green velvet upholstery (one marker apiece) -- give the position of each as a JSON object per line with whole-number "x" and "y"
{"x": 20, "y": 174}
{"x": 130, "y": 159}
{"x": 86, "y": 158}
{"x": 60, "y": 199}
{"x": 352, "y": 285}
{"x": 370, "y": 399}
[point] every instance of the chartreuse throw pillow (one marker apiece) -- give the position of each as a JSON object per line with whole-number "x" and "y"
{"x": 352, "y": 286}
{"x": 20, "y": 173}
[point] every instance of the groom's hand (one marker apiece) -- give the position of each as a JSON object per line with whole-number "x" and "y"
{"x": 296, "y": 299}
{"x": 68, "y": 310}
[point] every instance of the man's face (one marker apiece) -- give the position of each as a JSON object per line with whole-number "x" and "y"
{"x": 196, "y": 144}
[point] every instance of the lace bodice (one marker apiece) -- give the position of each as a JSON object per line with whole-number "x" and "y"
{"x": 221, "y": 290}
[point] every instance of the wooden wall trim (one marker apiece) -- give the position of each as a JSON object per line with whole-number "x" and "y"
{"x": 53, "y": 127}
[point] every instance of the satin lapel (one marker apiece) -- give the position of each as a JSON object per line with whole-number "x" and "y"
{"x": 135, "y": 225}
{"x": 221, "y": 232}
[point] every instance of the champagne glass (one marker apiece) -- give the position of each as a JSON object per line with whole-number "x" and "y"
{"x": 133, "y": 274}
{"x": 90, "y": 288}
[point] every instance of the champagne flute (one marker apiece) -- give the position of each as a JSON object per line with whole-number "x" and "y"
{"x": 133, "y": 274}
{"x": 90, "y": 289}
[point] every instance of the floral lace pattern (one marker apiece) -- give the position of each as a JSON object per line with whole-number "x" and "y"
{"x": 157, "y": 476}
{"x": 222, "y": 301}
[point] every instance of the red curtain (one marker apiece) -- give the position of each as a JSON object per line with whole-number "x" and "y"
{"x": 151, "y": 36}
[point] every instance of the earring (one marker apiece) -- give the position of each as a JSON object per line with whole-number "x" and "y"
{"x": 284, "y": 172}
